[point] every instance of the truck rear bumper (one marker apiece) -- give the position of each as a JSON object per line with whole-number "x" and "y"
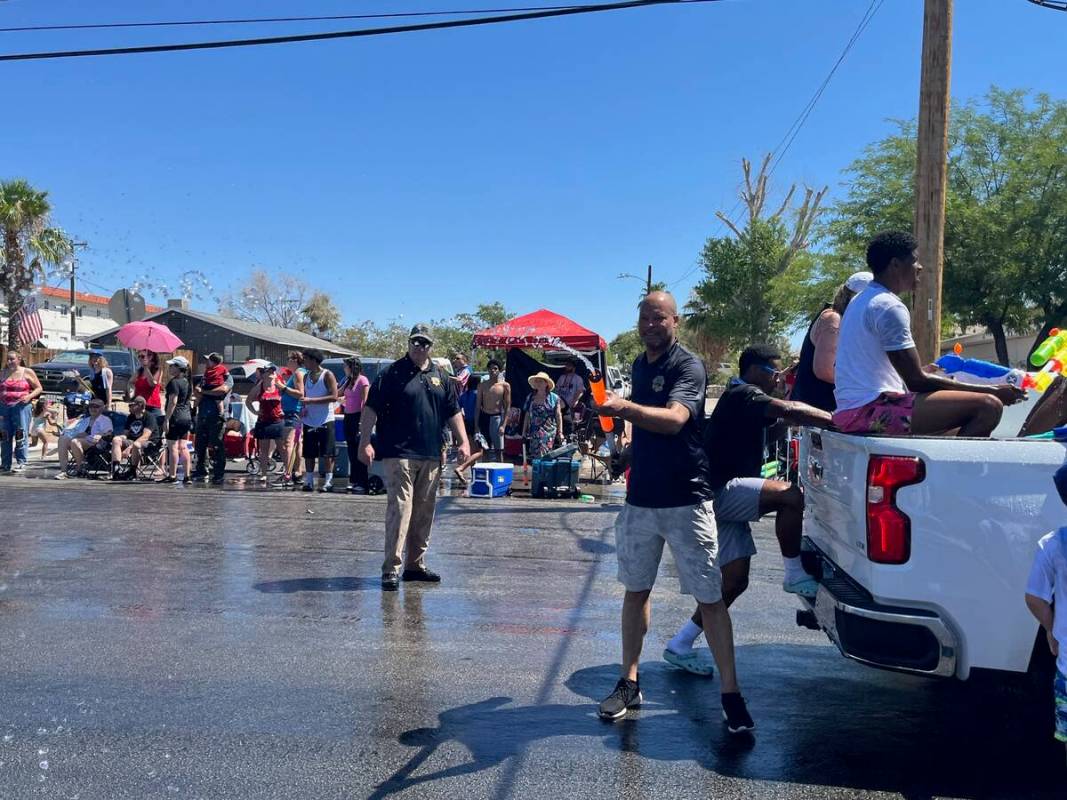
{"x": 902, "y": 639}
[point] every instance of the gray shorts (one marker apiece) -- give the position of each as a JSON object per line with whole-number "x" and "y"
{"x": 736, "y": 505}
{"x": 690, "y": 532}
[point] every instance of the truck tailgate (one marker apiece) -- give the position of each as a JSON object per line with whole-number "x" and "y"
{"x": 975, "y": 517}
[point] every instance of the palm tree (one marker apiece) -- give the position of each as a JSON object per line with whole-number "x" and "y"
{"x": 24, "y": 226}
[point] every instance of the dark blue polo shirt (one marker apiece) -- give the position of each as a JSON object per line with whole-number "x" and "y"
{"x": 669, "y": 471}
{"x": 413, "y": 408}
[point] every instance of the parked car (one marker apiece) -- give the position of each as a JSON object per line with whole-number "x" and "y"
{"x": 618, "y": 383}
{"x": 922, "y": 546}
{"x": 372, "y": 367}
{"x": 53, "y": 380}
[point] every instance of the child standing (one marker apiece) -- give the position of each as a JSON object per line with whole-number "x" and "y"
{"x": 1048, "y": 582}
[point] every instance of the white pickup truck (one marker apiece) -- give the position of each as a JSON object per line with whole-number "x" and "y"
{"x": 922, "y": 547}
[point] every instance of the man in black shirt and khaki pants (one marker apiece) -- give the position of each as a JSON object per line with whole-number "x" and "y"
{"x": 668, "y": 500}
{"x": 410, "y": 403}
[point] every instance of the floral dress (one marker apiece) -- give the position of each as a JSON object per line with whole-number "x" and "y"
{"x": 542, "y": 431}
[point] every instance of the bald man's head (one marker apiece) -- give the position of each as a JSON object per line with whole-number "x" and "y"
{"x": 657, "y": 321}
{"x": 664, "y": 300}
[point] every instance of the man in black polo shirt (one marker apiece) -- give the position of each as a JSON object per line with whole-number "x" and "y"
{"x": 410, "y": 403}
{"x": 668, "y": 500}
{"x": 735, "y": 440}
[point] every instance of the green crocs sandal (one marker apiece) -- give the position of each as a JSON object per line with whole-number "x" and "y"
{"x": 805, "y": 587}
{"x": 696, "y": 661}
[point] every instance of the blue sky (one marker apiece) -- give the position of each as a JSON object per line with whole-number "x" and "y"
{"x": 416, "y": 176}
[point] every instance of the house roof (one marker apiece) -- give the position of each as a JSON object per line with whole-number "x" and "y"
{"x": 84, "y": 297}
{"x": 269, "y": 333}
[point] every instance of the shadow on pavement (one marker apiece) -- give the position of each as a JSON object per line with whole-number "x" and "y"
{"x": 821, "y": 722}
{"x": 350, "y": 584}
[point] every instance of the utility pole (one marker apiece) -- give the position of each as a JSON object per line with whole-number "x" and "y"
{"x": 73, "y": 269}
{"x": 648, "y": 283}
{"x": 931, "y": 174}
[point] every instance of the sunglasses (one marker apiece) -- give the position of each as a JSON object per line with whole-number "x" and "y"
{"x": 421, "y": 342}
{"x": 771, "y": 370}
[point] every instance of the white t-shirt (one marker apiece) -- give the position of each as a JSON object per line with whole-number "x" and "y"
{"x": 1048, "y": 580}
{"x": 102, "y": 427}
{"x": 875, "y": 322}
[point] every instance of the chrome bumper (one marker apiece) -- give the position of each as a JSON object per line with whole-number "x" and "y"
{"x": 916, "y": 641}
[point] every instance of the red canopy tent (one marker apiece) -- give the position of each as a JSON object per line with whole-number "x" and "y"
{"x": 540, "y": 330}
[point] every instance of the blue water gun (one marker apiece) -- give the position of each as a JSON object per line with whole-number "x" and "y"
{"x": 974, "y": 370}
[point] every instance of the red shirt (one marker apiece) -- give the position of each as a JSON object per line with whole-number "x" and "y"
{"x": 141, "y": 388}
{"x": 270, "y": 405}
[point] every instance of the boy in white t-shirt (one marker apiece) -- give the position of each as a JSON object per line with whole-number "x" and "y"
{"x": 880, "y": 385}
{"x": 1048, "y": 582}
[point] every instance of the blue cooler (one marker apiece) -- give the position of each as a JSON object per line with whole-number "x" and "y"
{"x": 555, "y": 477}
{"x": 491, "y": 480}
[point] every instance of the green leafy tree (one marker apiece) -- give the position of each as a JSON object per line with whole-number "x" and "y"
{"x": 625, "y": 348}
{"x": 740, "y": 299}
{"x": 30, "y": 245}
{"x": 320, "y": 316}
{"x": 368, "y": 339}
{"x": 1006, "y": 210}
{"x": 452, "y": 334}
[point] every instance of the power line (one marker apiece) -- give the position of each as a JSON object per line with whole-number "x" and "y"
{"x": 350, "y": 34}
{"x": 779, "y": 152}
{"x": 872, "y": 9}
{"x": 259, "y": 20}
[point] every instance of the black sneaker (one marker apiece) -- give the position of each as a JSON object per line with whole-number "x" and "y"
{"x": 736, "y": 715}
{"x": 308, "y": 488}
{"x": 627, "y": 694}
{"x": 390, "y": 583}
{"x": 425, "y": 575}
{"x": 198, "y": 478}
{"x": 218, "y": 481}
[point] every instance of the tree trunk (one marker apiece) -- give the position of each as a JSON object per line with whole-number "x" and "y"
{"x": 1000, "y": 340}
{"x": 13, "y": 269}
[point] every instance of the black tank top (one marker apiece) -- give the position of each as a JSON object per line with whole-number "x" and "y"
{"x": 809, "y": 388}
{"x": 99, "y": 389}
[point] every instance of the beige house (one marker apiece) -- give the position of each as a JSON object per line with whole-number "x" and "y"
{"x": 978, "y": 343}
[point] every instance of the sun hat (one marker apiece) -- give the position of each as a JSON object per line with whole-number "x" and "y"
{"x": 543, "y": 376}
{"x": 179, "y": 361}
{"x": 858, "y": 281}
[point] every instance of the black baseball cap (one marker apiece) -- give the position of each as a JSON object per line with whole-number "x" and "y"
{"x": 421, "y": 331}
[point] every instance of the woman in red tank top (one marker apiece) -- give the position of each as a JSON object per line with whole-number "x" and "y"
{"x": 19, "y": 387}
{"x": 269, "y": 428}
{"x": 147, "y": 384}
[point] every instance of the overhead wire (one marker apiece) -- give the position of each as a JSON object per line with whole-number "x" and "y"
{"x": 780, "y": 150}
{"x": 270, "y": 20}
{"x": 348, "y": 34}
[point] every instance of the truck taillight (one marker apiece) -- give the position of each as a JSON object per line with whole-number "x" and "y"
{"x": 889, "y": 528}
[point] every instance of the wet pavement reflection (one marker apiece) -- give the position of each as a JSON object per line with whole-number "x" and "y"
{"x": 161, "y": 642}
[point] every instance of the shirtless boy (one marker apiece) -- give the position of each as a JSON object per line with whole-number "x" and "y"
{"x": 494, "y": 400}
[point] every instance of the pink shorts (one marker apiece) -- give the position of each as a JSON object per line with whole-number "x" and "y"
{"x": 887, "y": 413}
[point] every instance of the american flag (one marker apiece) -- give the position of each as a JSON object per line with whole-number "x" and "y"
{"x": 29, "y": 322}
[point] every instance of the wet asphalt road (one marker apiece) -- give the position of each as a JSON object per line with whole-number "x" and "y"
{"x": 196, "y": 643}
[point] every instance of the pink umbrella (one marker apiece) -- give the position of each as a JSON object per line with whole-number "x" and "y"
{"x": 149, "y": 336}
